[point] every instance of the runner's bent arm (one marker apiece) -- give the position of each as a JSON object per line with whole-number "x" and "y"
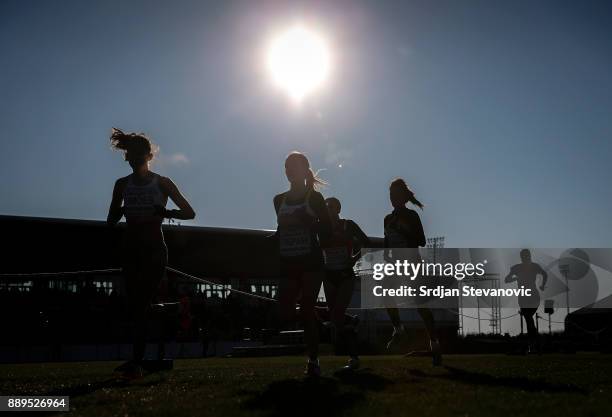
{"x": 544, "y": 277}
{"x": 185, "y": 211}
{"x": 511, "y": 277}
{"x": 278, "y": 199}
{"x": 386, "y": 249}
{"x": 115, "y": 211}
{"x": 323, "y": 225}
{"x": 358, "y": 235}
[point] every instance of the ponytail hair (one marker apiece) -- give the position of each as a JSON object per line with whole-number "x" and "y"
{"x": 401, "y": 185}
{"x": 313, "y": 181}
{"x": 134, "y": 145}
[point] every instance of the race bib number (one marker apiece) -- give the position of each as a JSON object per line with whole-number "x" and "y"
{"x": 336, "y": 258}
{"x": 138, "y": 203}
{"x": 295, "y": 241}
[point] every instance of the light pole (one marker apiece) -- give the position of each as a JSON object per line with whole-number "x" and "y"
{"x": 435, "y": 243}
{"x": 564, "y": 269}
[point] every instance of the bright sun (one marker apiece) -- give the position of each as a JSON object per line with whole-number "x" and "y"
{"x": 299, "y": 61}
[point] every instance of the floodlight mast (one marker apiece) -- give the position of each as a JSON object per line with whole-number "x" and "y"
{"x": 565, "y": 269}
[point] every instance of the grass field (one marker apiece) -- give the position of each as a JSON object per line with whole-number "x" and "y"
{"x": 474, "y": 385}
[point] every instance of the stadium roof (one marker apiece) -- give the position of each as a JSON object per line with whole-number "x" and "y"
{"x": 38, "y": 244}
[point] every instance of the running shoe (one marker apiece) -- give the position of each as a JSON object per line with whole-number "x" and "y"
{"x": 352, "y": 365}
{"x": 313, "y": 369}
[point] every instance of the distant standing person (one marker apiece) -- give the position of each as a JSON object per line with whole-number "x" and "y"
{"x": 525, "y": 275}
{"x": 303, "y": 222}
{"x": 341, "y": 252}
{"x": 404, "y": 230}
{"x": 141, "y": 197}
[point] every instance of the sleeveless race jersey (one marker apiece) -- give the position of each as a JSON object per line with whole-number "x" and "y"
{"x": 296, "y": 237}
{"x": 395, "y": 235}
{"x": 403, "y": 229}
{"x": 339, "y": 249}
{"x": 139, "y": 201}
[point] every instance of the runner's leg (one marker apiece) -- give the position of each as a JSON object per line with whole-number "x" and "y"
{"x": 311, "y": 285}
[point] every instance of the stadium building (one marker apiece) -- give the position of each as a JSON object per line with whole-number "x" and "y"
{"x": 62, "y": 295}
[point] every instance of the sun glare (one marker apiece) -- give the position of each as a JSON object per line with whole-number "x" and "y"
{"x": 299, "y": 62}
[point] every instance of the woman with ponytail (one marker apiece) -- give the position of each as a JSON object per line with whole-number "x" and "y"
{"x": 141, "y": 197}
{"x": 303, "y": 222}
{"x": 403, "y": 230}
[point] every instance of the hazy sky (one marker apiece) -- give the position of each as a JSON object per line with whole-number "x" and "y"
{"x": 498, "y": 114}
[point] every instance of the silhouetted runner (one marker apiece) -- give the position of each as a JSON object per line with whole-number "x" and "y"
{"x": 403, "y": 230}
{"x": 303, "y": 222}
{"x": 141, "y": 197}
{"x": 340, "y": 253}
{"x": 525, "y": 275}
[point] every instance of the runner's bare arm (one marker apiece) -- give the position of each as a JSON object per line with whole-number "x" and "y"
{"x": 185, "y": 211}
{"x": 363, "y": 241}
{"x": 359, "y": 235}
{"x": 278, "y": 199}
{"x": 386, "y": 251}
{"x": 544, "y": 278}
{"x": 115, "y": 211}
{"x": 511, "y": 277}
{"x": 323, "y": 225}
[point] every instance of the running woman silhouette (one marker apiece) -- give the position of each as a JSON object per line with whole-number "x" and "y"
{"x": 340, "y": 253}
{"x": 141, "y": 197}
{"x": 525, "y": 275}
{"x": 403, "y": 229}
{"x": 303, "y": 222}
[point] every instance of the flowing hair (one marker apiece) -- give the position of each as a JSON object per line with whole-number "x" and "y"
{"x": 401, "y": 185}
{"x": 313, "y": 181}
{"x": 134, "y": 145}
